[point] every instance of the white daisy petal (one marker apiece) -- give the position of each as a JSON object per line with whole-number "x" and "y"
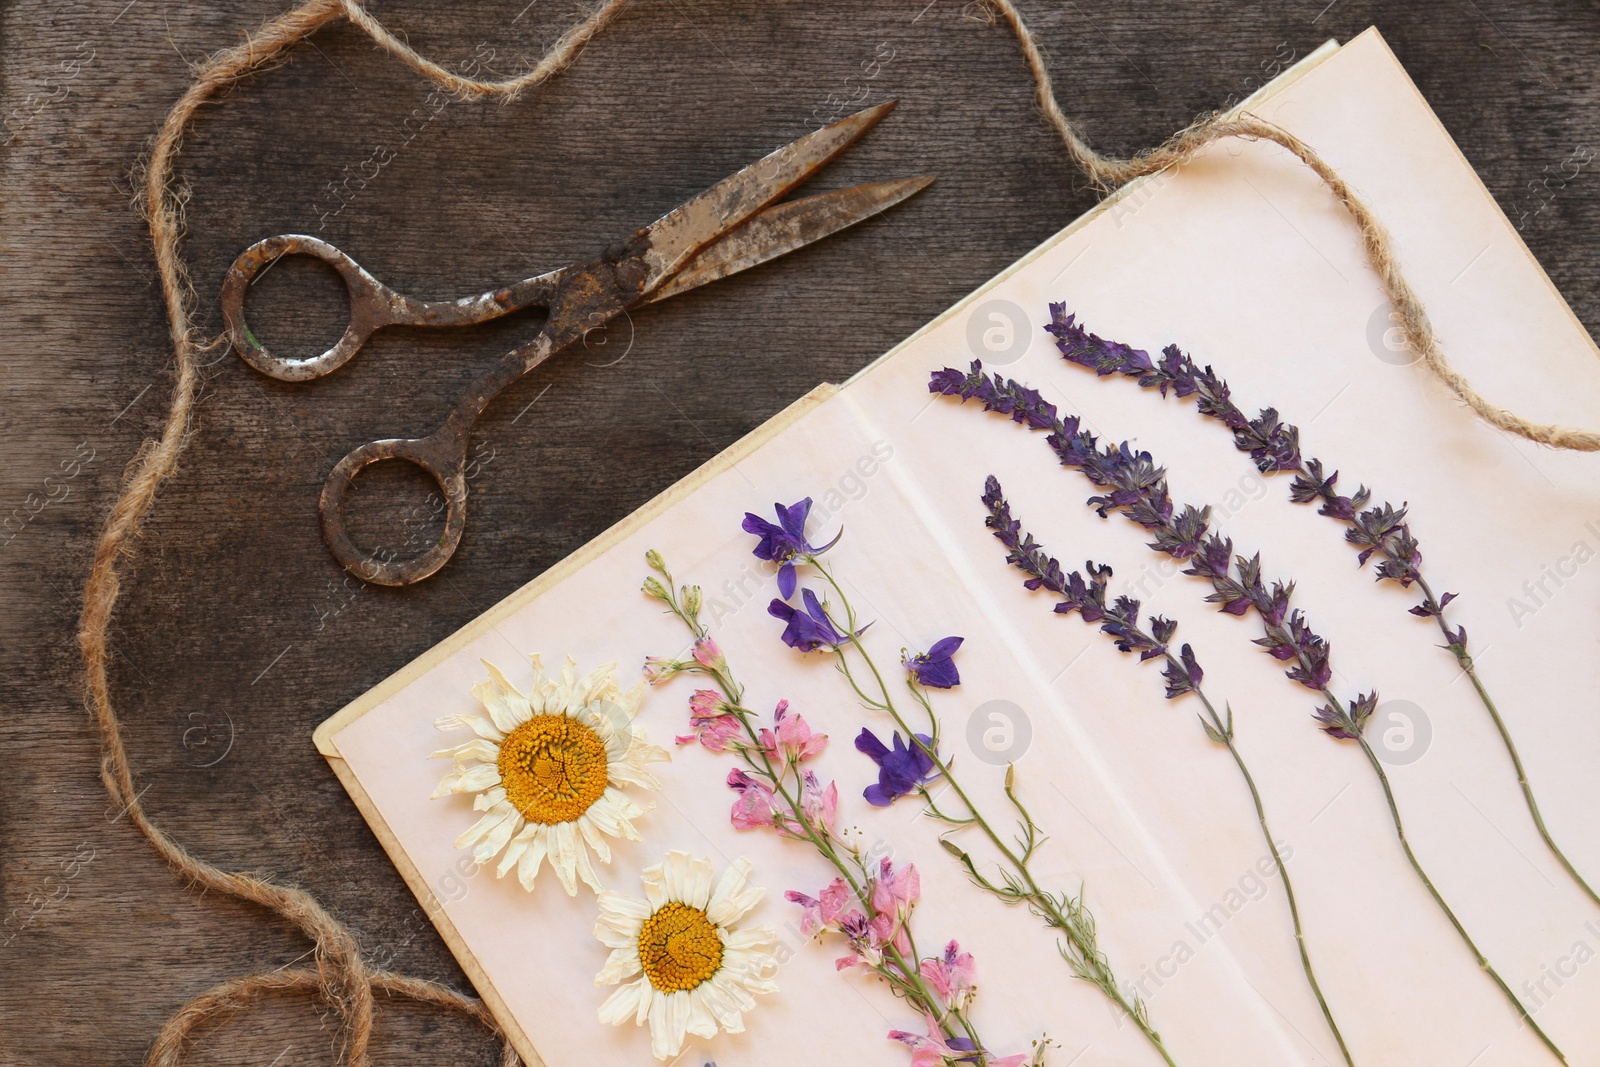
{"x": 516, "y": 848}
{"x": 583, "y": 868}
{"x": 720, "y": 1007}
{"x": 480, "y": 829}
{"x": 701, "y": 1022}
{"x": 735, "y": 894}
{"x": 594, "y": 838}
{"x": 623, "y": 1002}
{"x": 563, "y": 856}
{"x": 487, "y": 799}
{"x": 481, "y": 725}
{"x": 533, "y": 856}
{"x": 655, "y": 890}
{"x": 669, "y": 1018}
{"x": 696, "y": 882}
{"x": 623, "y": 963}
{"x": 496, "y": 838}
{"x": 597, "y": 683}
{"x": 479, "y": 748}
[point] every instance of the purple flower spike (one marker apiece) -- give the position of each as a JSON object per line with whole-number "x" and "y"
{"x": 784, "y": 542}
{"x": 1118, "y": 620}
{"x": 901, "y": 769}
{"x": 935, "y": 668}
{"x": 806, "y": 630}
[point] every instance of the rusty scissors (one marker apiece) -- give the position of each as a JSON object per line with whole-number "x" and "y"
{"x": 734, "y": 225}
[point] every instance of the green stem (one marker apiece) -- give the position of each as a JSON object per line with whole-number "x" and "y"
{"x": 1042, "y": 901}
{"x": 1439, "y": 899}
{"x": 1226, "y": 732}
{"x": 1467, "y": 665}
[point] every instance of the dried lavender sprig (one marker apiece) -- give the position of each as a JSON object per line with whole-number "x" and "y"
{"x": 1120, "y": 621}
{"x": 1137, "y": 488}
{"x": 1274, "y": 446}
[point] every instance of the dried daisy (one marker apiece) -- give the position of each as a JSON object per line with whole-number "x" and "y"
{"x": 549, "y": 769}
{"x": 687, "y": 965}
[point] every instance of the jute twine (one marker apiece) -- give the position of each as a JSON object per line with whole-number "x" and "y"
{"x": 341, "y": 977}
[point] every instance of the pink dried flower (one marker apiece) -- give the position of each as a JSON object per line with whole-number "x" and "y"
{"x": 792, "y": 739}
{"x": 658, "y": 669}
{"x": 709, "y": 656}
{"x": 711, "y": 721}
{"x": 754, "y": 806}
{"x": 951, "y": 975}
{"x": 820, "y": 803}
{"x": 818, "y": 912}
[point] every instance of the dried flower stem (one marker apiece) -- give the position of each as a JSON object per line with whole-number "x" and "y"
{"x": 1274, "y": 446}
{"x": 1120, "y": 620}
{"x": 1137, "y": 488}
{"x": 901, "y": 973}
{"x": 1060, "y": 911}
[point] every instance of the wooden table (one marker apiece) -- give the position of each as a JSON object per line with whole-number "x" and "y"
{"x": 236, "y": 633}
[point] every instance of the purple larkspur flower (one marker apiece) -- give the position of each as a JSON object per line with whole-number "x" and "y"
{"x": 785, "y": 541}
{"x": 935, "y": 668}
{"x": 901, "y": 769}
{"x": 806, "y": 630}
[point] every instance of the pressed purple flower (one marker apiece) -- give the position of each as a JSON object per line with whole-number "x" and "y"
{"x": 1274, "y": 445}
{"x": 935, "y": 668}
{"x": 784, "y": 542}
{"x": 1138, "y": 490}
{"x": 1087, "y": 597}
{"x": 901, "y": 769}
{"x": 806, "y": 630}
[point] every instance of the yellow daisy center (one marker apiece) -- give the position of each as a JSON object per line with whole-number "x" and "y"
{"x": 679, "y": 948}
{"x": 553, "y": 768}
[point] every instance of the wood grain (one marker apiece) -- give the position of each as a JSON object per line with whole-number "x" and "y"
{"x": 236, "y": 635}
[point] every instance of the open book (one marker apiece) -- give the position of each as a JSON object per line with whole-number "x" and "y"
{"x": 1246, "y": 263}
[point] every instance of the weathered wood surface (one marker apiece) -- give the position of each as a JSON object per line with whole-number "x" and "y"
{"x": 235, "y": 635}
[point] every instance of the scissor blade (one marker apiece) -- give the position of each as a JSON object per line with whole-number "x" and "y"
{"x": 785, "y": 227}
{"x": 682, "y": 232}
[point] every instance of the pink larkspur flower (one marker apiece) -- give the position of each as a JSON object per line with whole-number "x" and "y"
{"x": 951, "y": 975}
{"x": 711, "y": 721}
{"x": 867, "y": 949}
{"x": 791, "y": 738}
{"x": 820, "y": 803}
{"x": 754, "y": 806}
{"x": 708, "y": 655}
{"x": 818, "y": 912}
{"x": 658, "y": 669}
{"x": 933, "y": 1049}
{"x": 930, "y": 1049}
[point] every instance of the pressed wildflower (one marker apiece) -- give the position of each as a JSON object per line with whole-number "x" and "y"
{"x": 687, "y": 963}
{"x": 550, "y": 769}
{"x": 1119, "y": 620}
{"x": 809, "y": 629}
{"x": 902, "y": 769}
{"x": 935, "y": 668}
{"x": 1137, "y": 488}
{"x": 784, "y": 542}
{"x": 908, "y": 764}
{"x": 868, "y": 904}
{"x": 1371, "y": 529}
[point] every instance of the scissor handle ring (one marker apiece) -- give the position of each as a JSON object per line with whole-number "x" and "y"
{"x": 370, "y": 306}
{"x": 433, "y": 456}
